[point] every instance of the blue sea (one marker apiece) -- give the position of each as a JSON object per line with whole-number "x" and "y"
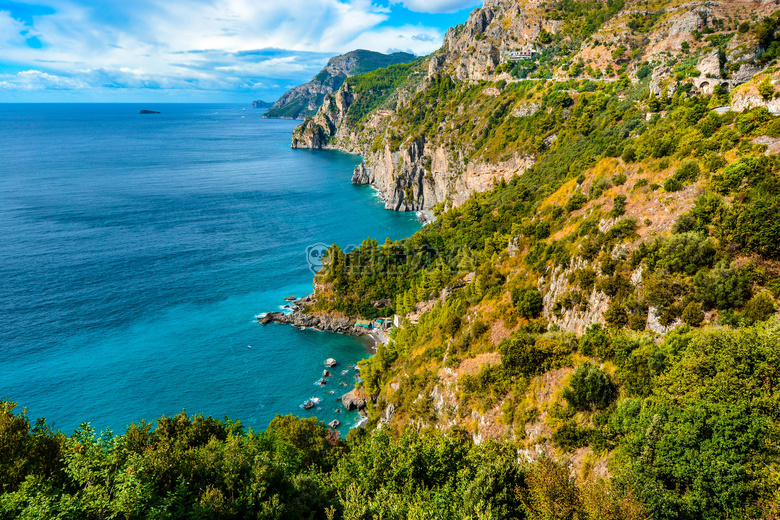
{"x": 137, "y": 250}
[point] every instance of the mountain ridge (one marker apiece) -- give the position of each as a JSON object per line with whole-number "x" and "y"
{"x": 304, "y": 100}
{"x": 478, "y": 51}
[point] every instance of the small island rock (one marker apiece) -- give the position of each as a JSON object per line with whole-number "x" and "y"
{"x": 325, "y": 373}
{"x": 335, "y": 423}
{"x": 145, "y": 112}
{"x": 330, "y": 362}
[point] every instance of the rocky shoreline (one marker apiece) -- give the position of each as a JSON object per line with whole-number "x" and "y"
{"x": 298, "y": 318}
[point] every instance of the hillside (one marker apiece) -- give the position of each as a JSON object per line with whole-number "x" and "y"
{"x": 600, "y": 283}
{"x": 418, "y": 158}
{"x": 589, "y": 323}
{"x": 304, "y": 100}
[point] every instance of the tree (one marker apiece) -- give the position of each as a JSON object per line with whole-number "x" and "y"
{"x": 589, "y": 388}
{"x": 307, "y": 435}
{"x": 596, "y": 342}
{"x": 616, "y": 315}
{"x": 629, "y": 153}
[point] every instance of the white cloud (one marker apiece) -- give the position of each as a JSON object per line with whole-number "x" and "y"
{"x": 199, "y": 44}
{"x": 438, "y": 6}
{"x": 37, "y": 80}
{"x": 410, "y": 38}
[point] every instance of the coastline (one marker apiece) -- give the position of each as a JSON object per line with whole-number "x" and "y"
{"x": 297, "y": 317}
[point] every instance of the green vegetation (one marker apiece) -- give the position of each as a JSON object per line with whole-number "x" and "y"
{"x": 628, "y": 394}
{"x": 297, "y": 107}
{"x": 374, "y": 88}
{"x": 196, "y": 467}
{"x": 670, "y": 387}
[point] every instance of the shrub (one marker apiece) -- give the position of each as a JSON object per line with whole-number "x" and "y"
{"x": 598, "y": 187}
{"x": 671, "y": 185}
{"x": 619, "y": 179}
{"x": 754, "y": 226}
{"x": 722, "y": 287}
{"x": 596, "y": 342}
{"x": 623, "y": 229}
{"x": 616, "y": 315}
{"x": 576, "y": 201}
{"x": 684, "y": 224}
{"x": 479, "y": 328}
{"x": 693, "y": 314}
{"x": 760, "y": 307}
{"x": 522, "y": 355}
{"x": 570, "y": 436}
{"x": 542, "y": 230}
{"x": 452, "y": 325}
{"x": 619, "y": 207}
{"x": 773, "y": 129}
{"x": 528, "y": 302}
{"x": 766, "y": 89}
{"x": 751, "y": 119}
{"x": 629, "y": 153}
{"x": 686, "y": 253}
{"x": 637, "y": 321}
{"x": 688, "y": 171}
{"x": 589, "y": 388}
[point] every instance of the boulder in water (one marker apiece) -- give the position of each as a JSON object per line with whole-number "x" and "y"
{"x": 335, "y": 423}
{"x": 330, "y": 362}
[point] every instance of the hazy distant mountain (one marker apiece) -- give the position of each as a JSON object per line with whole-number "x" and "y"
{"x": 304, "y": 100}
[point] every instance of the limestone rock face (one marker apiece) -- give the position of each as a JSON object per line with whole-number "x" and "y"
{"x": 362, "y": 175}
{"x": 428, "y": 168}
{"x": 353, "y": 400}
{"x": 747, "y": 96}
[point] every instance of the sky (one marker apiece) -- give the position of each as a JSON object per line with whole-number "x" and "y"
{"x": 222, "y": 51}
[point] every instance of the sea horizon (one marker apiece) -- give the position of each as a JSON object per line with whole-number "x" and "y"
{"x": 140, "y": 250}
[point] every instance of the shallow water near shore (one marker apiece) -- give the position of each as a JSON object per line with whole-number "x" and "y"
{"x": 137, "y": 250}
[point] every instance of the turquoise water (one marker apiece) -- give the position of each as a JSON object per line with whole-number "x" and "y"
{"x": 136, "y": 251}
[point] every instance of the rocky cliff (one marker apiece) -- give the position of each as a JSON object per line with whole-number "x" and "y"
{"x": 702, "y": 44}
{"x": 304, "y": 100}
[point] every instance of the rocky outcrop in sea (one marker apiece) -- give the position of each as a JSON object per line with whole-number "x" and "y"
{"x": 301, "y": 319}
